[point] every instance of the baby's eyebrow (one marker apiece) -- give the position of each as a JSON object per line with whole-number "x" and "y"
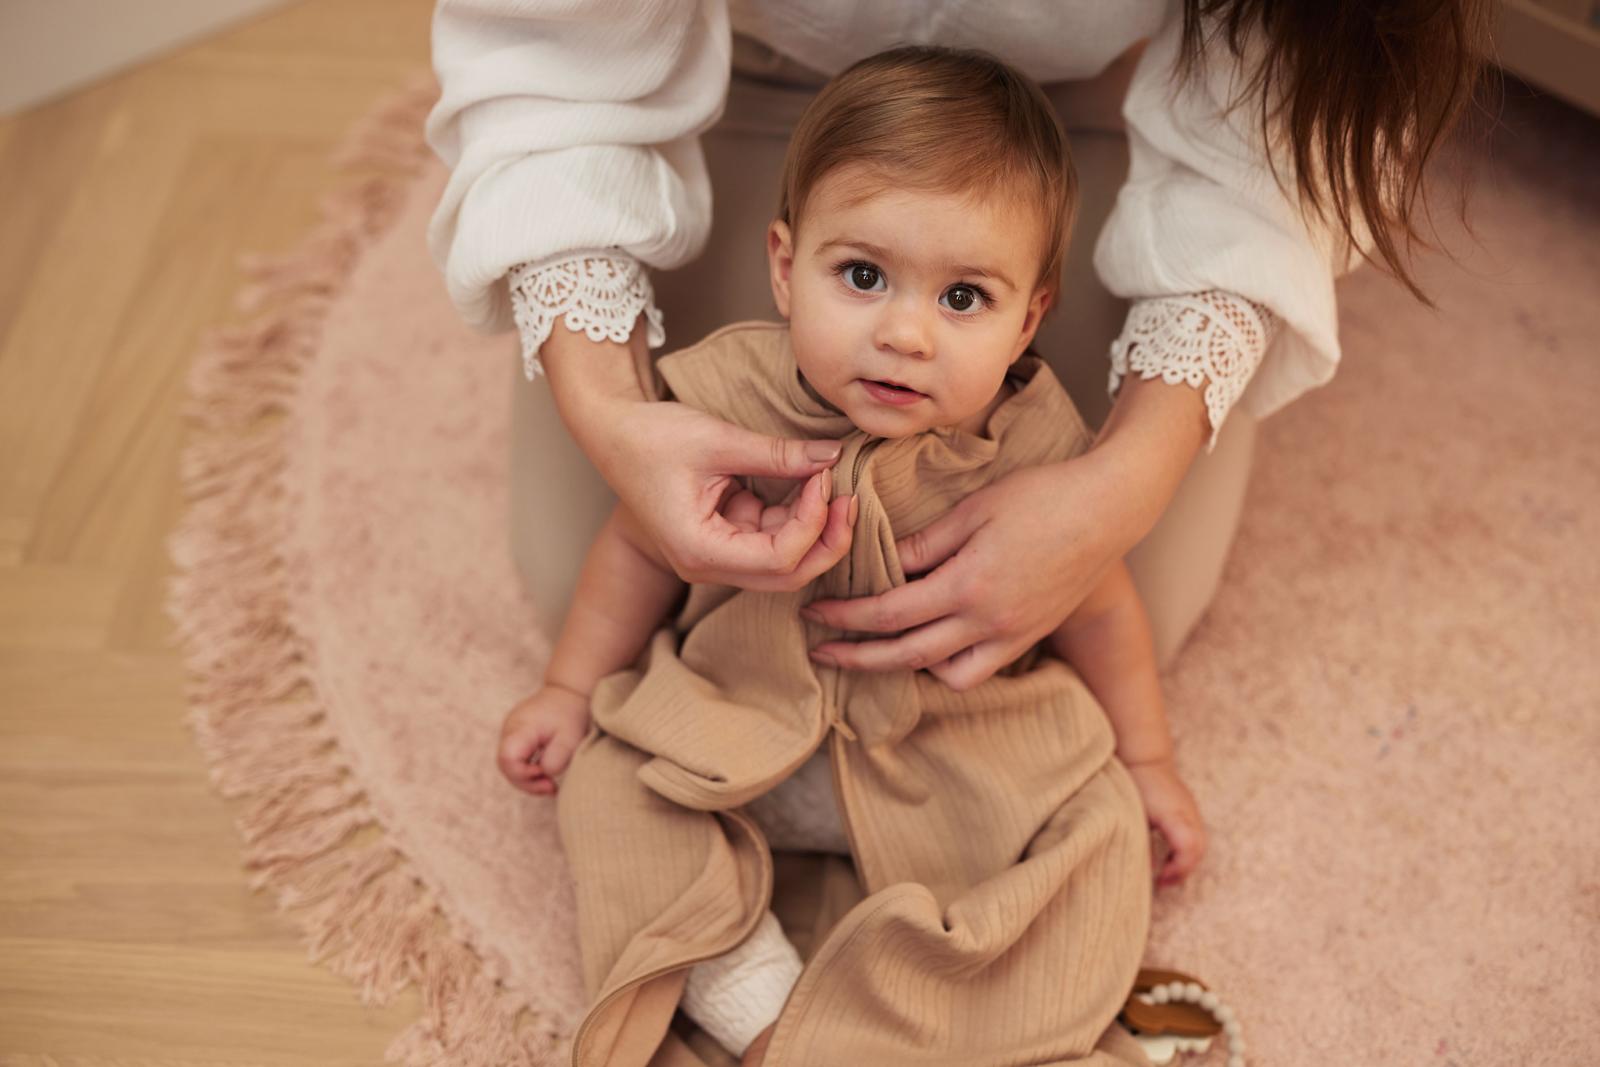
{"x": 884, "y": 254}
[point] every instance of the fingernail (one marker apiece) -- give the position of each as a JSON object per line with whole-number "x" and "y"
{"x": 855, "y": 508}
{"x": 827, "y": 485}
{"x": 823, "y": 451}
{"x": 823, "y": 657}
{"x": 812, "y": 613}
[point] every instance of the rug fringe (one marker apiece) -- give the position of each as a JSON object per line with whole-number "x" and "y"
{"x": 254, "y": 710}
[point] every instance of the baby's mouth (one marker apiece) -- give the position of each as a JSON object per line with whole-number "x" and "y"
{"x": 902, "y": 389}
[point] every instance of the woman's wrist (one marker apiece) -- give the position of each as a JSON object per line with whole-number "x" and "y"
{"x": 594, "y": 384}
{"x": 1145, "y": 448}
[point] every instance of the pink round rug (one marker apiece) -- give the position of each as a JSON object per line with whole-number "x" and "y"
{"x": 1389, "y": 716}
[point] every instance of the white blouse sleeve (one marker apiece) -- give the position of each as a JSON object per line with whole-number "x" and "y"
{"x": 570, "y": 127}
{"x": 1202, "y": 228}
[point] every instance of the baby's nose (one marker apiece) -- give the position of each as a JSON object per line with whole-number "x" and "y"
{"x": 905, "y": 331}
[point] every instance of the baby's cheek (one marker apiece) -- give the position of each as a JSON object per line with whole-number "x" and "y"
{"x": 970, "y": 393}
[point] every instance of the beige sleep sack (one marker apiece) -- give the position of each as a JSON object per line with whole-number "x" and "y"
{"x": 1001, "y": 853}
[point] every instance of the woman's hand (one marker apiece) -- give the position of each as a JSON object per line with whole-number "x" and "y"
{"x": 539, "y": 736}
{"x": 1008, "y": 564}
{"x": 706, "y": 524}
{"x": 677, "y": 470}
{"x": 1012, "y": 560}
{"x": 1172, "y": 810}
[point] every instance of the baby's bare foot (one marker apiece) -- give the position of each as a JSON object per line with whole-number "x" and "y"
{"x": 758, "y": 1048}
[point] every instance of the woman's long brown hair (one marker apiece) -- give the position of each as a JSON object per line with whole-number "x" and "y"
{"x": 1363, "y": 92}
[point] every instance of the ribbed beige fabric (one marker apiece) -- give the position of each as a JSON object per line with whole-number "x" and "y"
{"x": 1001, "y": 847}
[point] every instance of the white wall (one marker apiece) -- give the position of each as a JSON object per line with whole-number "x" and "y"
{"x": 50, "y": 47}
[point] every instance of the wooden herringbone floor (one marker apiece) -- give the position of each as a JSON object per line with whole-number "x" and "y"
{"x": 127, "y": 932}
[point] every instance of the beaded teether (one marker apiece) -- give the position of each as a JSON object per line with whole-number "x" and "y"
{"x": 1169, "y": 1012}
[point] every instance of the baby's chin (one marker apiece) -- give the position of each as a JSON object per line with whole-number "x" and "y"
{"x": 880, "y": 421}
{"x": 884, "y": 420}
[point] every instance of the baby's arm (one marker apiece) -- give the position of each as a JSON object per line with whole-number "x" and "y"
{"x": 624, "y": 591}
{"x": 623, "y": 594}
{"x": 1107, "y": 639}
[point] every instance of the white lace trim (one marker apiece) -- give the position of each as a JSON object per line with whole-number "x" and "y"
{"x": 1214, "y": 339}
{"x": 600, "y": 292}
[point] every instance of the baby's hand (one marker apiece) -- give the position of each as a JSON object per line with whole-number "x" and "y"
{"x": 1172, "y": 810}
{"x": 539, "y": 737}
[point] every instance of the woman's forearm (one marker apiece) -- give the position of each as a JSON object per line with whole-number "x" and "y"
{"x": 591, "y": 381}
{"x": 1145, "y": 448}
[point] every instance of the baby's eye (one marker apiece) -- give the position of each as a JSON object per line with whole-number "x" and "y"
{"x": 861, "y": 276}
{"x": 965, "y": 297}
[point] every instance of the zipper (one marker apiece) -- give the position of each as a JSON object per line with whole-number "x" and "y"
{"x": 861, "y": 454}
{"x": 595, "y": 1012}
{"x": 856, "y": 464}
{"x": 835, "y": 742}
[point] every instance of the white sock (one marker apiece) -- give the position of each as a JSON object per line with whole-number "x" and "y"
{"x": 735, "y": 996}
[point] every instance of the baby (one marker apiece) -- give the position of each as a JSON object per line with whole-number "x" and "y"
{"x": 927, "y": 203}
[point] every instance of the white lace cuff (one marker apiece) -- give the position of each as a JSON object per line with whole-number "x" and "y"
{"x": 1213, "y": 339}
{"x": 598, "y": 291}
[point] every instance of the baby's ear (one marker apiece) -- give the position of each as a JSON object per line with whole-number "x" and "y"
{"x": 780, "y": 262}
{"x": 1038, "y": 304}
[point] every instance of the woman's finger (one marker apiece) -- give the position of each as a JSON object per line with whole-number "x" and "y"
{"x": 737, "y": 549}
{"x": 774, "y": 516}
{"x": 735, "y": 552}
{"x": 976, "y": 663}
{"x": 745, "y": 510}
{"x": 926, "y": 548}
{"x": 807, "y": 519}
{"x": 900, "y": 608}
{"x": 822, "y": 556}
{"x": 919, "y": 648}
{"x": 830, "y": 547}
{"x": 781, "y": 551}
{"x": 736, "y": 450}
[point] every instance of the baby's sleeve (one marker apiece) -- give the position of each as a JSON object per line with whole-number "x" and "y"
{"x": 1217, "y": 257}
{"x": 571, "y": 131}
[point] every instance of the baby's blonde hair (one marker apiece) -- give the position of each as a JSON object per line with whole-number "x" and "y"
{"x": 953, "y": 120}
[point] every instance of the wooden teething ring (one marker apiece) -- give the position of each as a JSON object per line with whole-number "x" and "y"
{"x": 1184, "y": 1019}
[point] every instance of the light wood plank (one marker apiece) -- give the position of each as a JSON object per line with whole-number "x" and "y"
{"x": 128, "y": 932}
{"x": 294, "y": 1016}
{"x": 51, "y": 607}
{"x": 84, "y": 279}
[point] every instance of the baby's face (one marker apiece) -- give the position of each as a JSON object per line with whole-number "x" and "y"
{"x": 930, "y": 291}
